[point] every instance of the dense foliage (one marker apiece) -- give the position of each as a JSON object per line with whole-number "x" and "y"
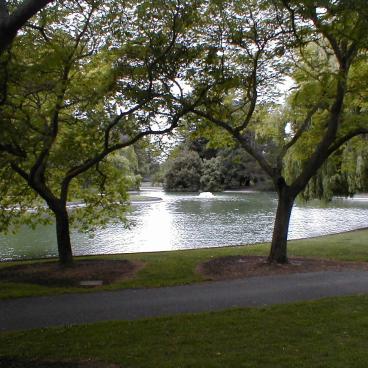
{"x": 83, "y": 81}
{"x": 195, "y": 166}
{"x": 250, "y": 48}
{"x": 184, "y": 173}
{"x": 87, "y": 78}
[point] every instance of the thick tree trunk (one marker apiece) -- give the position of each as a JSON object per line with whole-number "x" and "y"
{"x": 63, "y": 236}
{"x": 4, "y": 42}
{"x": 278, "y": 252}
{"x": 10, "y": 24}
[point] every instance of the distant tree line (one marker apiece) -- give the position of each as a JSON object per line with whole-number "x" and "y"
{"x": 194, "y": 167}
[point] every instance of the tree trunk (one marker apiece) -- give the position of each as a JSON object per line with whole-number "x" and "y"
{"x": 278, "y": 252}
{"x": 63, "y": 236}
{"x": 5, "y": 40}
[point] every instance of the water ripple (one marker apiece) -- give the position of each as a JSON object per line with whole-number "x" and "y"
{"x": 187, "y": 221}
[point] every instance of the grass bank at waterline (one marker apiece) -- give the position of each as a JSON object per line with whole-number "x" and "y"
{"x": 179, "y": 267}
{"x": 329, "y": 333}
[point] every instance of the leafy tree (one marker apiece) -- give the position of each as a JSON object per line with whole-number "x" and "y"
{"x": 148, "y": 157}
{"x": 95, "y": 78}
{"x": 239, "y": 169}
{"x": 126, "y": 161}
{"x": 184, "y": 173}
{"x": 344, "y": 173}
{"x": 211, "y": 178}
{"x": 222, "y": 167}
{"x": 248, "y": 47}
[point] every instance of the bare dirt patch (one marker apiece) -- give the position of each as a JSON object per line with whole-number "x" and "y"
{"x": 53, "y": 274}
{"x": 233, "y": 267}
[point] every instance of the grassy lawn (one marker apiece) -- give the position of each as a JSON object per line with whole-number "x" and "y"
{"x": 328, "y": 333}
{"x": 178, "y": 267}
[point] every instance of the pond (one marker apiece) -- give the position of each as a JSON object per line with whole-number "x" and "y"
{"x": 184, "y": 221}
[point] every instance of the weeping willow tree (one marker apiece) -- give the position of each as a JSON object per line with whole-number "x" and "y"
{"x": 345, "y": 172}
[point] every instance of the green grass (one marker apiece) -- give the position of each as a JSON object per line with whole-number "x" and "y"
{"x": 178, "y": 267}
{"x": 329, "y": 333}
{"x": 349, "y": 246}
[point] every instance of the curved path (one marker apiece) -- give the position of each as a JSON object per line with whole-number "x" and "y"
{"x": 132, "y": 304}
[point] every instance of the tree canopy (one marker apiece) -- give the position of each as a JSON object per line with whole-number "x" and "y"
{"x": 249, "y": 48}
{"x": 197, "y": 165}
{"x": 88, "y": 78}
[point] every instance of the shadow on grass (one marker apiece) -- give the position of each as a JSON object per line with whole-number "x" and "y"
{"x": 9, "y": 362}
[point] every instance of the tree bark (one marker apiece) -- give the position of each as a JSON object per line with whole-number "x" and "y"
{"x": 278, "y": 252}
{"x": 63, "y": 236}
{"x": 10, "y": 24}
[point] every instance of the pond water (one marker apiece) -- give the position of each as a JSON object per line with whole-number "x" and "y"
{"x": 184, "y": 221}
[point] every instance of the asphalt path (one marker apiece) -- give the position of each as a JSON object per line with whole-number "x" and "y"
{"x": 131, "y": 304}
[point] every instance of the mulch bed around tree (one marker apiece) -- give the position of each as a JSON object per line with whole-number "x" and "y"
{"x": 233, "y": 267}
{"x": 53, "y": 274}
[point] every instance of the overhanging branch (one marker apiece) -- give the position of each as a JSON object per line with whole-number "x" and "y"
{"x": 86, "y": 165}
{"x": 10, "y": 24}
{"x": 13, "y": 150}
{"x": 339, "y": 142}
{"x": 300, "y": 131}
{"x": 254, "y": 152}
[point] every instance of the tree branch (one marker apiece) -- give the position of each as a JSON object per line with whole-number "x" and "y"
{"x": 331, "y": 39}
{"x": 10, "y": 24}
{"x": 338, "y": 143}
{"x": 39, "y": 29}
{"x": 13, "y": 150}
{"x": 86, "y": 165}
{"x": 252, "y": 95}
{"x": 241, "y": 139}
{"x": 39, "y": 166}
{"x": 320, "y": 154}
{"x": 118, "y": 118}
{"x": 300, "y": 131}
{"x": 38, "y": 169}
{"x": 19, "y": 171}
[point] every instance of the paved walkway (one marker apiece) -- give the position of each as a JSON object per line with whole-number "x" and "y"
{"x": 133, "y": 304}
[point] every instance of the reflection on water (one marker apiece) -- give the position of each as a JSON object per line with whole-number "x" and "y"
{"x": 182, "y": 221}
